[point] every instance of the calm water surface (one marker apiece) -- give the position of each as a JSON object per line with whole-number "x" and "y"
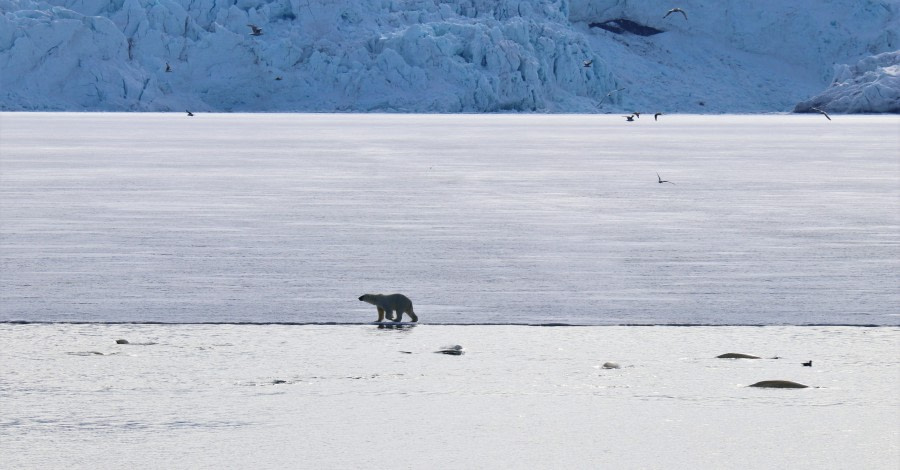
{"x": 772, "y": 219}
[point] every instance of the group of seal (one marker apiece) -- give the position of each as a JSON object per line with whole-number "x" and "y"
{"x": 766, "y": 383}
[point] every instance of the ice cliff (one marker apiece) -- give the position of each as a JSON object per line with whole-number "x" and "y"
{"x": 870, "y": 86}
{"x": 432, "y": 56}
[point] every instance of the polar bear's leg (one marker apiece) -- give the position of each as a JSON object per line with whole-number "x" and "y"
{"x": 380, "y": 313}
{"x": 390, "y": 315}
{"x": 412, "y": 315}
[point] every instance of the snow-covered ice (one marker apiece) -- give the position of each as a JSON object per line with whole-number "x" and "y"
{"x": 426, "y": 56}
{"x": 307, "y": 396}
{"x": 477, "y": 218}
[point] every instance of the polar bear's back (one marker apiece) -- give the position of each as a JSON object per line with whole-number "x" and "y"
{"x": 397, "y": 302}
{"x": 390, "y": 302}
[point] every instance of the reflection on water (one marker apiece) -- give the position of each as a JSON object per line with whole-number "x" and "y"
{"x": 400, "y": 327}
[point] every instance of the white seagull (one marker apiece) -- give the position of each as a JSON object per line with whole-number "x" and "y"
{"x": 821, "y": 112}
{"x": 608, "y": 95}
{"x": 676, "y": 10}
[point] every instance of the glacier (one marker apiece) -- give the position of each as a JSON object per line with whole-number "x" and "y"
{"x": 455, "y": 56}
{"x": 872, "y": 85}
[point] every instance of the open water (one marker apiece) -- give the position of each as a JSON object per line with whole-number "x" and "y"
{"x": 772, "y": 219}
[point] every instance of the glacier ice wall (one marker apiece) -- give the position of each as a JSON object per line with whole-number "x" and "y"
{"x": 735, "y": 55}
{"x": 872, "y": 85}
{"x": 464, "y": 56}
{"x": 427, "y": 55}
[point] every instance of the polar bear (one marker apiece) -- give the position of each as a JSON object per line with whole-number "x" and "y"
{"x": 391, "y": 303}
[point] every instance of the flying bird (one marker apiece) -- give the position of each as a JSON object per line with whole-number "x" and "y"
{"x": 637, "y": 114}
{"x": 588, "y": 63}
{"x": 661, "y": 181}
{"x": 807, "y": 364}
{"x": 277, "y": 78}
{"x": 168, "y": 67}
{"x": 629, "y": 118}
{"x": 189, "y": 113}
{"x": 608, "y": 95}
{"x": 821, "y": 112}
{"x": 656, "y": 116}
{"x": 676, "y": 10}
{"x": 257, "y": 31}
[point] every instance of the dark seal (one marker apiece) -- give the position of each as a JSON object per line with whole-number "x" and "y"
{"x": 778, "y": 384}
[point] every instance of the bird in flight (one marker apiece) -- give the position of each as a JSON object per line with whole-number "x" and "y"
{"x": 168, "y": 67}
{"x": 608, "y": 95}
{"x": 637, "y": 114}
{"x": 629, "y": 118}
{"x": 676, "y": 10}
{"x": 661, "y": 181}
{"x": 821, "y": 112}
{"x": 588, "y": 63}
{"x": 189, "y": 113}
{"x": 656, "y": 116}
{"x": 257, "y": 31}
